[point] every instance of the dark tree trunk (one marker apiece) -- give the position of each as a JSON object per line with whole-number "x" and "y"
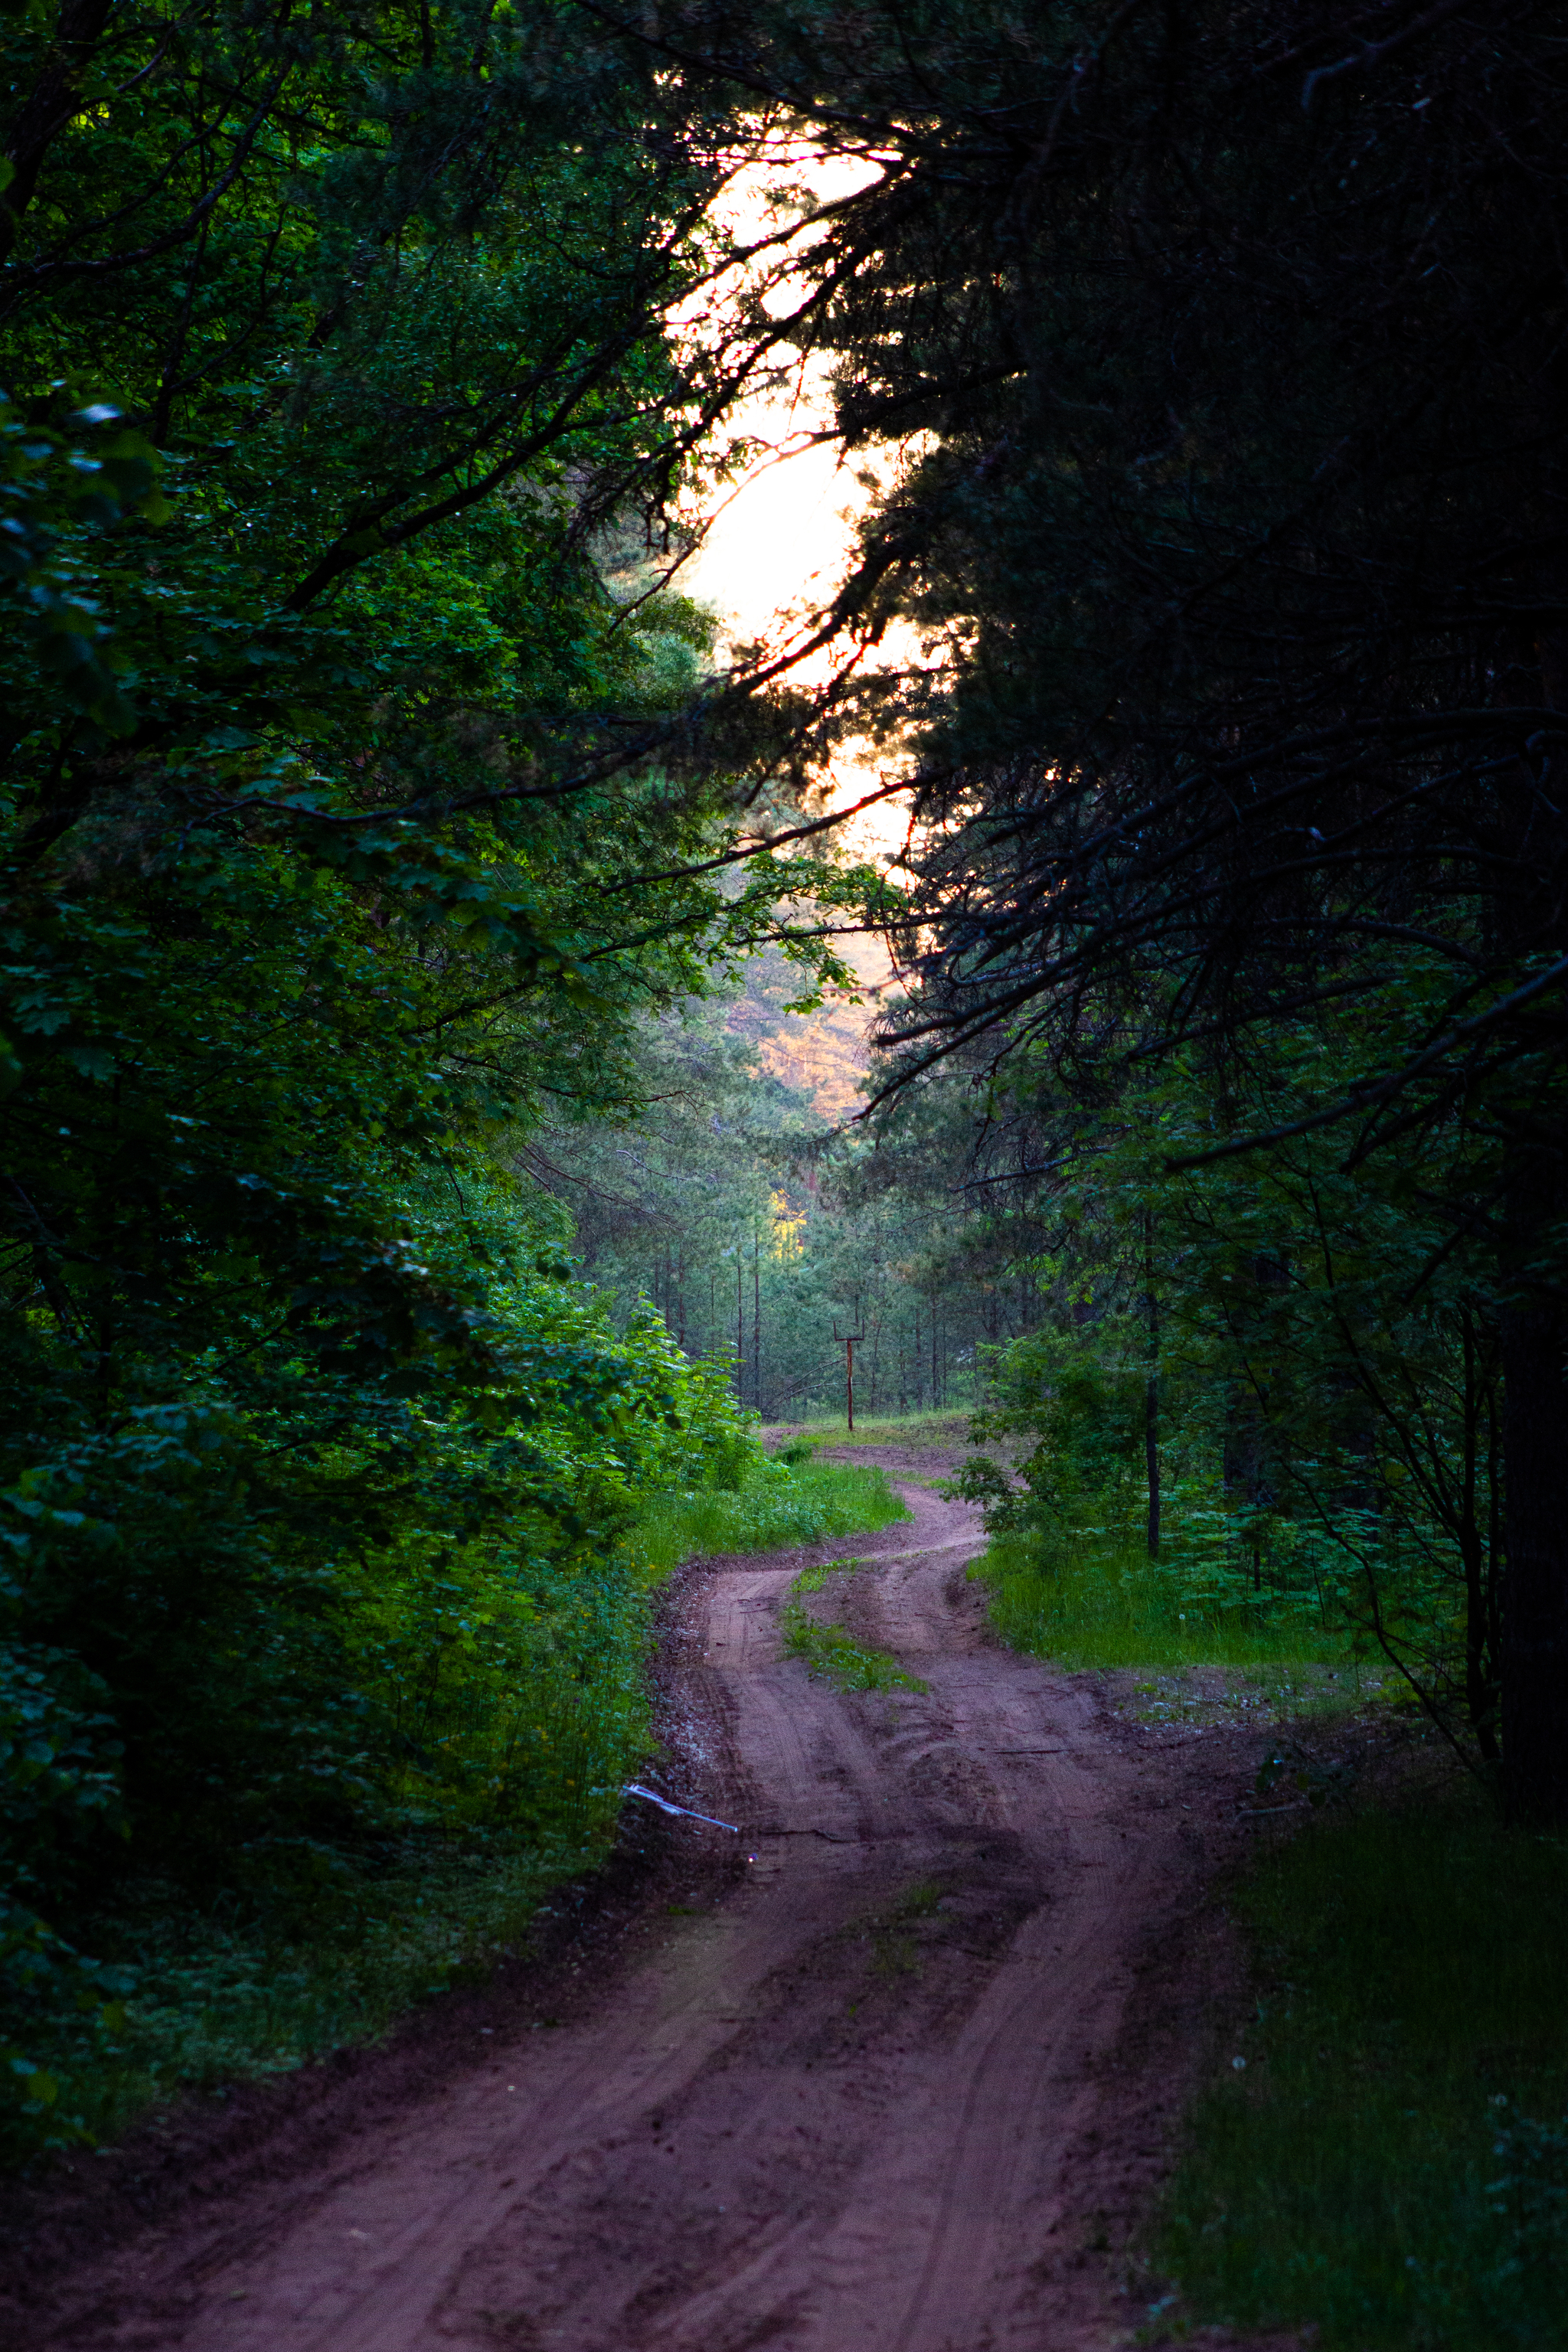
{"x": 1533, "y": 1661}
{"x": 1479, "y": 1558}
{"x": 1151, "y": 1460}
{"x": 1535, "y": 1581}
{"x": 1152, "y": 1387}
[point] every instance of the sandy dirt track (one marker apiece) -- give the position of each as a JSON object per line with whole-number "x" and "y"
{"x": 904, "y": 2087}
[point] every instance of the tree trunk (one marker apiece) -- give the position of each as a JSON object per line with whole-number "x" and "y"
{"x": 1533, "y": 1325}
{"x": 1151, "y": 1460}
{"x": 1535, "y": 1582}
{"x": 1152, "y": 1387}
{"x": 1480, "y": 1561}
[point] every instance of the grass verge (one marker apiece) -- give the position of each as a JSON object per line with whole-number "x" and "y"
{"x": 216, "y": 2003}
{"x": 1107, "y": 1606}
{"x": 938, "y": 1431}
{"x": 1389, "y": 2160}
{"x": 781, "y": 1502}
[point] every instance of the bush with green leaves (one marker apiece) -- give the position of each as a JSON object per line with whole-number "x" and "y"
{"x": 355, "y": 804}
{"x": 274, "y": 1634}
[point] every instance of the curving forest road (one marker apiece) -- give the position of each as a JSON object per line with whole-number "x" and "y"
{"x": 902, "y": 2083}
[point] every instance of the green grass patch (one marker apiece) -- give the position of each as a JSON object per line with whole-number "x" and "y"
{"x": 812, "y": 1579}
{"x": 780, "y": 1504}
{"x": 941, "y": 1432}
{"x": 895, "y": 1951}
{"x": 1390, "y": 2163}
{"x": 1280, "y": 1692}
{"x": 1106, "y": 1604}
{"x": 831, "y": 1653}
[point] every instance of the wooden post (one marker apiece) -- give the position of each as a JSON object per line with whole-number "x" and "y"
{"x": 848, "y": 1339}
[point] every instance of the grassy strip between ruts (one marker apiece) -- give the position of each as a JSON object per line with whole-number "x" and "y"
{"x": 1386, "y": 2154}
{"x": 831, "y": 1653}
{"x": 223, "y": 1999}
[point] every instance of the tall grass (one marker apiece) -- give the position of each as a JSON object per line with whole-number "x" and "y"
{"x": 1103, "y": 1604}
{"x": 1390, "y": 2162}
{"x": 779, "y": 1504}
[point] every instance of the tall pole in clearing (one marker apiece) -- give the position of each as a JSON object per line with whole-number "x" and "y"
{"x": 848, "y": 1339}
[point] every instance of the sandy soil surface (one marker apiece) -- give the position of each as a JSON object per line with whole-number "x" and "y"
{"x": 895, "y": 2070}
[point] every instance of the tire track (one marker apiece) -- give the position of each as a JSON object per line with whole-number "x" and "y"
{"x": 874, "y": 2100}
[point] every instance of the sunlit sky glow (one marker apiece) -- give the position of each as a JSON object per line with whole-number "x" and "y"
{"x": 783, "y": 541}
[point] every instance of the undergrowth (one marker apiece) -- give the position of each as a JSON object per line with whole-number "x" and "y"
{"x": 779, "y": 1504}
{"x": 326, "y": 1945}
{"x": 1101, "y": 1602}
{"x": 1386, "y": 2154}
{"x": 217, "y": 2003}
{"x": 329, "y": 1952}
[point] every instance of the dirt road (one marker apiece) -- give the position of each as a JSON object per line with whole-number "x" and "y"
{"x": 901, "y": 2090}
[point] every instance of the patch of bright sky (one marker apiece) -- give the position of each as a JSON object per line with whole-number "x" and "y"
{"x": 783, "y": 542}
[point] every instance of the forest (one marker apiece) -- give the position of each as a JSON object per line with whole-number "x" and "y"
{"x": 1169, "y": 1082}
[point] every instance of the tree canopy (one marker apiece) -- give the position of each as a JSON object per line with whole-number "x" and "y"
{"x": 1223, "y": 349}
{"x": 377, "y": 808}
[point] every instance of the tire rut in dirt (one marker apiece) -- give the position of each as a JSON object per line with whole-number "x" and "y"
{"x": 860, "y": 2101}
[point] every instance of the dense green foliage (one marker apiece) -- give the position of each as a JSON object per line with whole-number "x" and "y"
{"x": 495, "y": 1703}
{"x": 1387, "y": 2159}
{"x": 348, "y": 775}
{"x": 275, "y": 1676}
{"x": 725, "y": 1193}
{"x": 1248, "y": 1418}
